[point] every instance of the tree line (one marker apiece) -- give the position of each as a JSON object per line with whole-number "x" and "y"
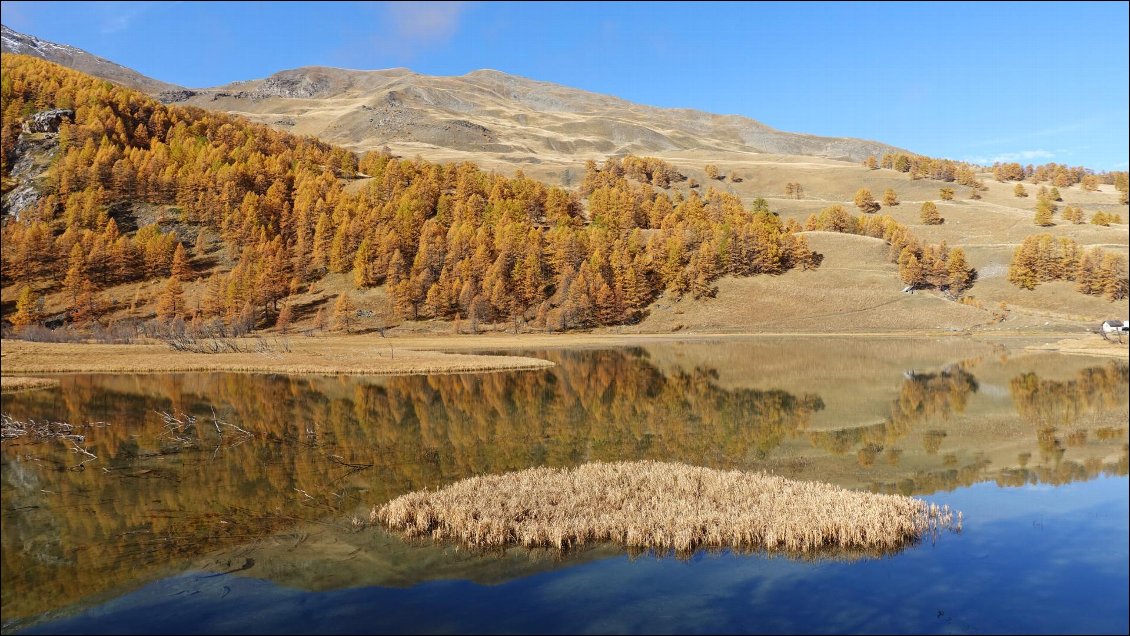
{"x": 1059, "y": 175}
{"x": 921, "y": 265}
{"x": 920, "y": 166}
{"x": 1043, "y": 258}
{"x": 965, "y": 173}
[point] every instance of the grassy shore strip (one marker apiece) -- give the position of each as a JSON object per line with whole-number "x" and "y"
{"x": 662, "y": 506}
{"x": 329, "y": 356}
{"x": 1090, "y": 345}
{"x": 15, "y": 384}
{"x": 598, "y": 340}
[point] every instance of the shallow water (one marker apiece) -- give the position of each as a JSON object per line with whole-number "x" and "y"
{"x": 179, "y": 527}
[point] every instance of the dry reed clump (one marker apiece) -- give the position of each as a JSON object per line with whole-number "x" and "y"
{"x": 663, "y": 506}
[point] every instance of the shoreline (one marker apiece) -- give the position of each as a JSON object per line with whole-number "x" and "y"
{"x": 425, "y": 354}
{"x": 329, "y": 356}
{"x": 1089, "y": 344}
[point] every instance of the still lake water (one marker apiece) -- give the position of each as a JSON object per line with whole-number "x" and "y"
{"x": 178, "y": 528}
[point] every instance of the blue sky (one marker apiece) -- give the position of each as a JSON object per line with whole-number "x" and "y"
{"x": 1027, "y": 82}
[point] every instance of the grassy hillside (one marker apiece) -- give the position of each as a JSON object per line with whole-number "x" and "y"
{"x": 135, "y": 212}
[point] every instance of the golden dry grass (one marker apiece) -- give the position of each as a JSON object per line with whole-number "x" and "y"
{"x": 13, "y": 384}
{"x": 661, "y": 506}
{"x": 355, "y": 355}
{"x": 856, "y": 289}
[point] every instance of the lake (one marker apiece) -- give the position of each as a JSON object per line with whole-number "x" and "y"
{"x": 212, "y": 502}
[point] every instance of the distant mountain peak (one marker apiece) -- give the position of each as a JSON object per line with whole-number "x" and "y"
{"x": 16, "y": 42}
{"x": 23, "y": 44}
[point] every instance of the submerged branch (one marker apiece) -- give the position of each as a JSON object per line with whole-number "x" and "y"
{"x": 81, "y": 451}
{"x": 181, "y": 428}
{"x": 338, "y": 459}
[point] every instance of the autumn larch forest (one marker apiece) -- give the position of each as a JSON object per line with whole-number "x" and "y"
{"x": 448, "y": 241}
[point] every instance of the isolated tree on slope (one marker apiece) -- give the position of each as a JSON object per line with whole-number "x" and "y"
{"x": 865, "y": 202}
{"x": 343, "y": 313}
{"x": 285, "y": 317}
{"x": 1044, "y": 213}
{"x": 929, "y": 214}
{"x": 180, "y": 267}
{"x": 27, "y": 309}
{"x": 171, "y": 302}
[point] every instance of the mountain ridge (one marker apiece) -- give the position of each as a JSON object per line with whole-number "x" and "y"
{"x": 73, "y": 57}
{"x": 483, "y": 115}
{"x": 502, "y": 115}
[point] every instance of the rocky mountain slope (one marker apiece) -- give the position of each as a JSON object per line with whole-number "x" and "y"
{"x": 511, "y": 117}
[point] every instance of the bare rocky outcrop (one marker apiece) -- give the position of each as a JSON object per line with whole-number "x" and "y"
{"x": 48, "y": 121}
{"x": 32, "y": 155}
{"x": 35, "y": 149}
{"x": 19, "y": 199}
{"x": 173, "y": 97}
{"x": 294, "y": 85}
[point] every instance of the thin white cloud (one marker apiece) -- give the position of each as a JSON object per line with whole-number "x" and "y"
{"x": 1068, "y": 128}
{"x": 1021, "y": 156}
{"x": 411, "y": 27}
{"x": 15, "y": 15}
{"x": 394, "y": 33}
{"x": 425, "y": 21}
{"x": 115, "y": 17}
{"x": 115, "y": 24}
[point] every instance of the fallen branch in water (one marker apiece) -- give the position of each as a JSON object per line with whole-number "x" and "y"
{"x": 219, "y": 424}
{"x": 338, "y": 459}
{"x": 82, "y": 451}
{"x": 181, "y": 428}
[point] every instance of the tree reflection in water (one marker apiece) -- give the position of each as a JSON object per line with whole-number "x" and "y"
{"x": 321, "y": 449}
